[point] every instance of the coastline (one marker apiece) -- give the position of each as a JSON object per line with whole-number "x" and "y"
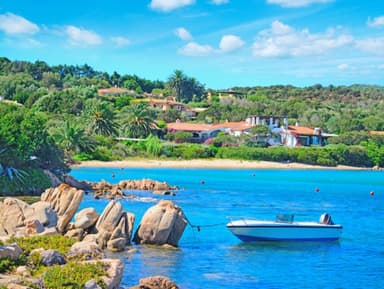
{"x": 206, "y": 163}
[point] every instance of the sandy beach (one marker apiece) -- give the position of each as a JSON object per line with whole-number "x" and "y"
{"x": 204, "y": 163}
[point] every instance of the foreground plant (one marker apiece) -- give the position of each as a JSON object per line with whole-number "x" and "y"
{"x": 73, "y": 275}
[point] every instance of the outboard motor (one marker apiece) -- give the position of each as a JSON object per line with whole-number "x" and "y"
{"x": 326, "y": 219}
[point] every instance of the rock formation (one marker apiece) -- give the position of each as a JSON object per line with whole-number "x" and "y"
{"x": 65, "y": 201}
{"x": 161, "y": 224}
{"x": 156, "y": 282}
{"x": 109, "y": 191}
{"x": 114, "y": 227}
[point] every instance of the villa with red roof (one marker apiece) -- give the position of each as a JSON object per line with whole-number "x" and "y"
{"x": 201, "y": 132}
{"x": 293, "y": 136}
{"x": 290, "y": 136}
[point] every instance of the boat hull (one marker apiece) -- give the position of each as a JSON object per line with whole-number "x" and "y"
{"x": 263, "y": 231}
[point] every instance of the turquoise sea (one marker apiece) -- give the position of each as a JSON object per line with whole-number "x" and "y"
{"x": 214, "y": 258}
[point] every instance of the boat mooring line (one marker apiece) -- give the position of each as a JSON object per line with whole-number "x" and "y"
{"x": 198, "y": 227}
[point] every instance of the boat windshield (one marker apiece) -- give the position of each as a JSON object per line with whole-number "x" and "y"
{"x": 284, "y": 218}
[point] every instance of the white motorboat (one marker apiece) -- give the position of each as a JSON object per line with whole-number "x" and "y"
{"x": 285, "y": 229}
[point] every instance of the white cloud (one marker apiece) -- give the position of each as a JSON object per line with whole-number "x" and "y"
{"x": 219, "y": 2}
{"x": 282, "y": 40}
{"x": 371, "y": 45}
{"x": 120, "y": 41}
{"x": 230, "y": 43}
{"x": 183, "y": 34}
{"x": 343, "y": 66}
{"x": 376, "y": 22}
{"x": 13, "y": 24}
{"x": 82, "y": 37}
{"x": 169, "y": 5}
{"x": 296, "y": 3}
{"x": 196, "y": 49}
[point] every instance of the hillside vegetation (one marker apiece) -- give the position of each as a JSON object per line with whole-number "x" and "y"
{"x": 52, "y": 115}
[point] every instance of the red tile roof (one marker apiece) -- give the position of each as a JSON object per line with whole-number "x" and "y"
{"x": 184, "y": 126}
{"x": 302, "y": 130}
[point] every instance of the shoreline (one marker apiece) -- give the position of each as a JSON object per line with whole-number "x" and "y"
{"x": 207, "y": 163}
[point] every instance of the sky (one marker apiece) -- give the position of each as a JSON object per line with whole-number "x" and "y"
{"x": 221, "y": 43}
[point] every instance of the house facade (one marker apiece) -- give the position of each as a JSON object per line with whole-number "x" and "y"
{"x": 290, "y": 136}
{"x": 202, "y": 132}
{"x": 294, "y": 136}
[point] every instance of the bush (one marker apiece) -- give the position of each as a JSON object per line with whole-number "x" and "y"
{"x": 73, "y": 275}
{"x": 57, "y": 242}
{"x": 36, "y": 182}
{"x": 189, "y": 151}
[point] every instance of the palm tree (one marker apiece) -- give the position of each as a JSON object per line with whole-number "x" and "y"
{"x": 102, "y": 120}
{"x": 176, "y": 82}
{"x": 7, "y": 166}
{"x": 73, "y": 139}
{"x": 140, "y": 122}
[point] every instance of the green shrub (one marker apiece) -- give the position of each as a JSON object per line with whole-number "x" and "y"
{"x": 73, "y": 275}
{"x": 37, "y": 182}
{"x": 57, "y": 242}
{"x": 7, "y": 265}
{"x": 102, "y": 153}
{"x": 188, "y": 151}
{"x": 153, "y": 145}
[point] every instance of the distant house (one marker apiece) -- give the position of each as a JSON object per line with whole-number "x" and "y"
{"x": 3, "y": 100}
{"x": 293, "y": 136}
{"x": 166, "y": 104}
{"x": 170, "y": 103}
{"x": 376, "y": 132}
{"x": 202, "y": 132}
{"x": 114, "y": 91}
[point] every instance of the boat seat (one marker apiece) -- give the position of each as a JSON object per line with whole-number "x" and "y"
{"x": 326, "y": 219}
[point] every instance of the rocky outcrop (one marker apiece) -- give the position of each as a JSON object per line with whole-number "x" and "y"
{"x": 85, "y": 250}
{"x": 86, "y": 218}
{"x": 13, "y": 214}
{"x": 145, "y": 184}
{"x": 156, "y": 282}
{"x": 109, "y": 191}
{"x": 114, "y": 272}
{"x": 81, "y": 185}
{"x": 114, "y": 227}
{"x": 44, "y": 213}
{"x": 161, "y": 224}
{"x": 65, "y": 201}
{"x": 49, "y": 257}
{"x": 12, "y": 251}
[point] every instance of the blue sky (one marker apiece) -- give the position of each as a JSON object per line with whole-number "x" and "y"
{"x": 222, "y": 43}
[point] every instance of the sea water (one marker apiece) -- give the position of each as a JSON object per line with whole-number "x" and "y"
{"x": 209, "y": 256}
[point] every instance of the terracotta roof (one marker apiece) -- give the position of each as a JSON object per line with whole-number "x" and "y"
{"x": 376, "y": 132}
{"x": 240, "y": 125}
{"x": 184, "y": 126}
{"x": 302, "y": 130}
